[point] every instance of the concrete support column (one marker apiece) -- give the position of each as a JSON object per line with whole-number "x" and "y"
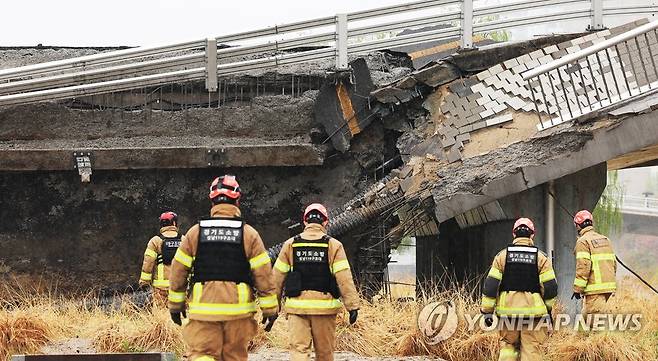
{"x": 467, "y": 253}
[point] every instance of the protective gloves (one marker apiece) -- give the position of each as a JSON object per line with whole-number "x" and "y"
{"x": 354, "y": 314}
{"x": 268, "y": 321}
{"x": 176, "y": 317}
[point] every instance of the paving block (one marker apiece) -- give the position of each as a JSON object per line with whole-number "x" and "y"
{"x": 470, "y": 81}
{"x": 523, "y": 58}
{"x": 488, "y": 91}
{"x": 532, "y": 64}
{"x": 486, "y": 113}
{"x": 519, "y": 68}
{"x": 551, "y": 49}
{"x": 590, "y": 37}
{"x": 483, "y": 75}
{"x": 499, "y": 120}
{"x": 516, "y": 103}
{"x": 448, "y": 141}
{"x": 464, "y": 138}
{"x": 537, "y": 54}
{"x": 479, "y": 125}
{"x": 499, "y": 108}
{"x": 564, "y": 45}
{"x": 485, "y": 99}
{"x": 498, "y": 95}
{"x": 490, "y": 80}
{"x": 472, "y": 119}
{"x": 496, "y": 69}
{"x": 465, "y": 130}
{"x": 573, "y": 49}
{"x": 578, "y": 41}
{"x": 490, "y": 105}
{"x": 510, "y": 63}
{"x": 530, "y": 106}
{"x": 478, "y": 87}
{"x": 545, "y": 59}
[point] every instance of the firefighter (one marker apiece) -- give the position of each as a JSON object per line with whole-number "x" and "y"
{"x": 596, "y": 266}
{"x": 520, "y": 286}
{"x": 230, "y": 275}
{"x": 158, "y": 255}
{"x": 317, "y": 275}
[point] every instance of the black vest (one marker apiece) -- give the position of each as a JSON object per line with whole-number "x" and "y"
{"x": 168, "y": 249}
{"x": 521, "y": 272}
{"x": 220, "y": 254}
{"x": 311, "y": 260}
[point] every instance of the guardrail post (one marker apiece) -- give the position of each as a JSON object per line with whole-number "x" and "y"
{"x": 467, "y": 24}
{"x": 597, "y": 15}
{"x": 341, "y": 41}
{"x": 211, "y": 65}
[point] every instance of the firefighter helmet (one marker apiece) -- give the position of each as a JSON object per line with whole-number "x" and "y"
{"x": 523, "y": 223}
{"x": 168, "y": 218}
{"x": 316, "y": 211}
{"x": 583, "y": 218}
{"x": 225, "y": 185}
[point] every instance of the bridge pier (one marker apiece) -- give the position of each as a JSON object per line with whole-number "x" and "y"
{"x": 466, "y": 245}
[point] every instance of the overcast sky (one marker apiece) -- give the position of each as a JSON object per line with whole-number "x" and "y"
{"x": 144, "y": 22}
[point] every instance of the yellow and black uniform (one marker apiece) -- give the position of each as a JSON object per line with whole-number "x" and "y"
{"x": 521, "y": 284}
{"x": 227, "y": 260}
{"x": 322, "y": 272}
{"x": 157, "y": 259}
{"x": 596, "y": 269}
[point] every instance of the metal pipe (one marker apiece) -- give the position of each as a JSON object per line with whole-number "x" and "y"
{"x": 549, "y": 210}
{"x": 569, "y": 58}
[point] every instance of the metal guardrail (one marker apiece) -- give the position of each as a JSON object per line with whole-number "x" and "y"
{"x": 596, "y": 77}
{"x": 640, "y": 202}
{"x": 336, "y": 37}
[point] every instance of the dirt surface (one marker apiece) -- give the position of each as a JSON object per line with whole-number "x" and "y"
{"x": 70, "y": 346}
{"x": 74, "y": 346}
{"x": 276, "y": 355}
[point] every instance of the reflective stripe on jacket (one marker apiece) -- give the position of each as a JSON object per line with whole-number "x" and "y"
{"x": 596, "y": 266}
{"x": 222, "y": 300}
{"x": 314, "y": 302}
{"x": 153, "y": 273}
{"x": 517, "y": 303}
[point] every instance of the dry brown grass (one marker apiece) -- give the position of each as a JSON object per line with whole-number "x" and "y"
{"x": 386, "y": 327}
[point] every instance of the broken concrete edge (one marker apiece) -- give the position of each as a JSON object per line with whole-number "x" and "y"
{"x": 591, "y": 145}
{"x": 466, "y": 63}
{"x": 269, "y": 155}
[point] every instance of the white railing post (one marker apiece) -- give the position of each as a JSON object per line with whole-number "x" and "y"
{"x": 467, "y": 24}
{"x": 341, "y": 41}
{"x": 597, "y": 15}
{"x": 211, "y": 65}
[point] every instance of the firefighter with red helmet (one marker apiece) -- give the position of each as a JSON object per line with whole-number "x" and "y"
{"x": 158, "y": 256}
{"x": 318, "y": 284}
{"x": 230, "y": 278}
{"x": 596, "y": 265}
{"x": 520, "y": 286}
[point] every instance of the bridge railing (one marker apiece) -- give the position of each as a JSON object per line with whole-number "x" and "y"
{"x": 596, "y": 77}
{"x": 640, "y": 202}
{"x": 334, "y": 37}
